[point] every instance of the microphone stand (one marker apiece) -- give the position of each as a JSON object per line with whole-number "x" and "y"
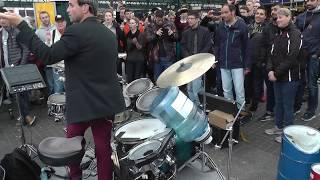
{"x": 20, "y": 120}
{"x": 230, "y": 141}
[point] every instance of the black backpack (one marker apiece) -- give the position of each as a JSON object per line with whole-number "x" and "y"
{"x": 19, "y": 165}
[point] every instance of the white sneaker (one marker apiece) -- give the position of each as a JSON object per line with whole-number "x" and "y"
{"x": 7, "y": 102}
{"x": 278, "y": 139}
{"x": 273, "y": 131}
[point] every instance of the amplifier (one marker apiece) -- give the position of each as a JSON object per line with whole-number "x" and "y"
{"x": 22, "y": 78}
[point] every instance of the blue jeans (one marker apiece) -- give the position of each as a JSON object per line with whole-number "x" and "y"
{"x": 233, "y": 78}
{"x": 49, "y": 79}
{"x": 313, "y": 72}
{"x": 193, "y": 88}
{"x": 58, "y": 86}
{"x": 160, "y": 66}
{"x": 285, "y": 93}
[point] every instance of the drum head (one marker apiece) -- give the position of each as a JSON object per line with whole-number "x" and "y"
{"x": 144, "y": 150}
{"x": 303, "y": 138}
{"x": 138, "y": 130}
{"x": 144, "y": 102}
{"x": 59, "y": 98}
{"x": 162, "y": 135}
{"x": 138, "y": 87}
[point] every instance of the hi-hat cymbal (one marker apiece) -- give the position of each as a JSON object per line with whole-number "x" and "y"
{"x": 186, "y": 70}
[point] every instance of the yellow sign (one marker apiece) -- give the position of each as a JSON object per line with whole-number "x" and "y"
{"x": 49, "y": 7}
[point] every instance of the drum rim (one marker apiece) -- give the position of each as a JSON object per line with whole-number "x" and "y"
{"x": 140, "y": 97}
{"x": 55, "y": 103}
{"x": 140, "y": 79}
{"x": 136, "y": 148}
{"x": 129, "y": 141}
{"x": 314, "y": 170}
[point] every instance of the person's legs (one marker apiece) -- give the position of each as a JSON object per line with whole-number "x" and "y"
{"x": 139, "y": 70}
{"x": 58, "y": 86}
{"x": 279, "y": 107}
{"x": 193, "y": 88}
{"x": 238, "y": 82}
{"x": 130, "y": 71}
{"x": 226, "y": 78}
{"x": 24, "y": 103}
{"x": 289, "y": 91}
{"x": 77, "y": 129}
{"x": 49, "y": 77}
{"x": 270, "y": 95}
{"x": 156, "y": 70}
{"x": 101, "y": 130}
{"x": 313, "y": 74}
{"x": 257, "y": 86}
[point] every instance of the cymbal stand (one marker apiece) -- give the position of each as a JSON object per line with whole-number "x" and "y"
{"x": 230, "y": 141}
{"x": 28, "y": 147}
{"x": 201, "y": 154}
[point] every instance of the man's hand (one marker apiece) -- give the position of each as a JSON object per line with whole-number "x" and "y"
{"x": 159, "y": 32}
{"x": 170, "y": 32}
{"x": 247, "y": 71}
{"x": 271, "y": 76}
{"x": 13, "y": 18}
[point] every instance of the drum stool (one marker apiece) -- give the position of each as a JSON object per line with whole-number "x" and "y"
{"x": 60, "y": 151}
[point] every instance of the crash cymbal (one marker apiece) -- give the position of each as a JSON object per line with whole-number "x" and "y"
{"x": 186, "y": 70}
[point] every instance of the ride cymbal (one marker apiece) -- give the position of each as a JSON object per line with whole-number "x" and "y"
{"x": 186, "y": 70}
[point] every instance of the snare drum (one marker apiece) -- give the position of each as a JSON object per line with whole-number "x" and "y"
{"x": 134, "y": 132}
{"x": 144, "y": 102}
{"x": 144, "y": 150}
{"x": 138, "y": 87}
{"x": 56, "y": 104}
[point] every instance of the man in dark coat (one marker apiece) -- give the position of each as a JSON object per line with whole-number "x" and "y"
{"x": 93, "y": 94}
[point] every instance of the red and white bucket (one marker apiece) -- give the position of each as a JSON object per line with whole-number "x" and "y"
{"x": 315, "y": 172}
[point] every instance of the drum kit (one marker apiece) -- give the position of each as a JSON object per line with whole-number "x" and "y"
{"x": 144, "y": 148}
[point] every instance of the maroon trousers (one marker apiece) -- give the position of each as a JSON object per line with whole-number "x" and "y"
{"x": 101, "y": 130}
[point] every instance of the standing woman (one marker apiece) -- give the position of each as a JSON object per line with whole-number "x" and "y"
{"x": 284, "y": 71}
{"x": 111, "y": 24}
{"x": 135, "y": 51}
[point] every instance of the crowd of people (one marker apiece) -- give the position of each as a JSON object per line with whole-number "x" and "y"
{"x": 259, "y": 52}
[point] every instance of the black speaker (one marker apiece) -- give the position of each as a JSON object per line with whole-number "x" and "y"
{"x": 218, "y": 134}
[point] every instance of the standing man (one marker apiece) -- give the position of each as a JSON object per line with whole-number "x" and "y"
{"x": 232, "y": 53}
{"x": 271, "y": 32}
{"x": 194, "y": 40}
{"x": 61, "y": 24}
{"x": 93, "y": 92}
{"x": 15, "y": 53}
{"x": 258, "y": 58}
{"x": 44, "y": 32}
{"x": 309, "y": 24}
{"x": 162, "y": 35}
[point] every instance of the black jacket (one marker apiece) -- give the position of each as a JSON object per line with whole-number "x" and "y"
{"x": 258, "y": 44}
{"x": 203, "y": 41}
{"x": 89, "y": 50}
{"x": 284, "y": 59}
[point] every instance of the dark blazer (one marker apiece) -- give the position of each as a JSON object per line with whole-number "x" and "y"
{"x": 203, "y": 41}
{"x": 89, "y": 50}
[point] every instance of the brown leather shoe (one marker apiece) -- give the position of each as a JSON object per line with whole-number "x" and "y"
{"x": 30, "y": 120}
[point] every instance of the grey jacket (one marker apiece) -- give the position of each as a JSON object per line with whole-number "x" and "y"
{"x": 14, "y": 52}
